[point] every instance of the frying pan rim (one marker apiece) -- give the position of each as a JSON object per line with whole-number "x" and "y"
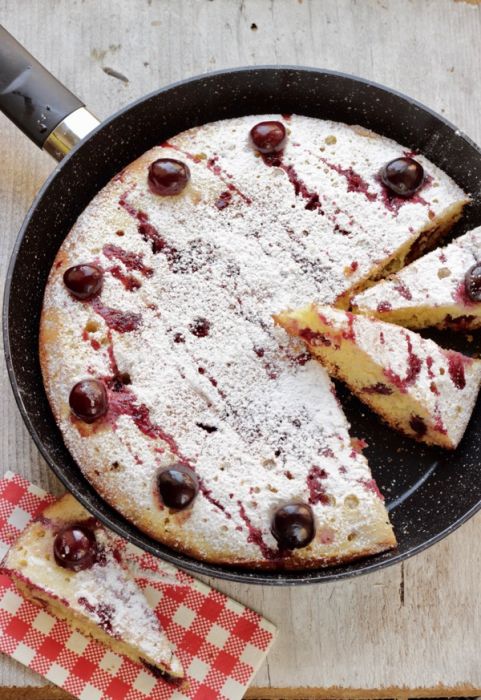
{"x": 250, "y": 576}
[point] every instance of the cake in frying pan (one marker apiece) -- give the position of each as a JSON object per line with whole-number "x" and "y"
{"x": 182, "y": 403}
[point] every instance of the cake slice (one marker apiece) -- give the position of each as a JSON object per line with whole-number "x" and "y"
{"x": 442, "y": 289}
{"x": 416, "y": 386}
{"x": 64, "y": 561}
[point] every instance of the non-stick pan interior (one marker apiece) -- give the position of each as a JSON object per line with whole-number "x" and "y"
{"x": 428, "y": 492}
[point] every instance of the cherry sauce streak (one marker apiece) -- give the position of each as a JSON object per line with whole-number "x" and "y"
{"x": 129, "y": 282}
{"x": 358, "y": 445}
{"x": 214, "y": 167}
{"x": 132, "y": 261}
{"x": 314, "y": 338}
{"x": 438, "y": 423}
{"x": 223, "y": 200}
{"x": 349, "y": 333}
{"x": 429, "y": 365}
{"x": 255, "y": 536}
{"x": 93, "y": 342}
{"x": 456, "y": 365}
{"x": 103, "y": 611}
{"x": 149, "y": 232}
{"x": 300, "y": 187}
{"x": 116, "y": 320}
{"x": 413, "y": 370}
{"x": 383, "y": 307}
{"x": 370, "y": 485}
{"x": 403, "y": 290}
{"x": 355, "y": 183}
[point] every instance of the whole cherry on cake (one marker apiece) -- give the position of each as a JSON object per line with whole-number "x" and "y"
{"x": 75, "y": 547}
{"x": 293, "y": 525}
{"x": 88, "y": 400}
{"x": 83, "y": 281}
{"x": 177, "y": 486}
{"x": 168, "y": 176}
{"x": 268, "y": 137}
{"x": 403, "y": 176}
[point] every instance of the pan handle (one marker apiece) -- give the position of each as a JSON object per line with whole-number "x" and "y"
{"x": 35, "y": 101}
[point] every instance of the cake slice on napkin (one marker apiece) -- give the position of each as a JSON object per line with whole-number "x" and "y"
{"x": 442, "y": 289}
{"x": 65, "y": 562}
{"x": 416, "y": 386}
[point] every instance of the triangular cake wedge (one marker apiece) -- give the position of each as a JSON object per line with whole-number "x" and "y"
{"x": 102, "y": 600}
{"x": 436, "y": 290}
{"x": 417, "y": 387}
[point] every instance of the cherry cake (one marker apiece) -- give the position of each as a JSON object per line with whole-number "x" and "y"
{"x": 416, "y": 386}
{"x": 183, "y": 404}
{"x": 442, "y": 289}
{"x": 67, "y": 563}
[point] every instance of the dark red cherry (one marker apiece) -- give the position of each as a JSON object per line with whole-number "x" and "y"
{"x": 293, "y": 525}
{"x": 168, "y": 176}
{"x": 178, "y": 486}
{"x": 88, "y": 400}
{"x": 75, "y": 548}
{"x": 403, "y": 176}
{"x": 472, "y": 282}
{"x": 269, "y": 137}
{"x": 83, "y": 281}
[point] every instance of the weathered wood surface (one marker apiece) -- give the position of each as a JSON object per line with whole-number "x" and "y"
{"x": 413, "y": 629}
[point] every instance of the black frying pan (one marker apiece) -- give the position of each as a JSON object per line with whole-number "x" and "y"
{"x": 429, "y": 492}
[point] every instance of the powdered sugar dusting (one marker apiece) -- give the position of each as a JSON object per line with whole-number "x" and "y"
{"x": 113, "y": 600}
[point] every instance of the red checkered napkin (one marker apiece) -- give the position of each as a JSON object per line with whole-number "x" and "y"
{"x": 220, "y": 643}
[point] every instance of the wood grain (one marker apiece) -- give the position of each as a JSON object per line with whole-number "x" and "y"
{"x": 414, "y": 629}
{"x": 51, "y": 693}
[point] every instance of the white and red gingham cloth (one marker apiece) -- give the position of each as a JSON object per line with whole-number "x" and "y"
{"x": 220, "y": 643}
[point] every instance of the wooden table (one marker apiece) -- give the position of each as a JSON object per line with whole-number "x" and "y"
{"x": 411, "y": 630}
